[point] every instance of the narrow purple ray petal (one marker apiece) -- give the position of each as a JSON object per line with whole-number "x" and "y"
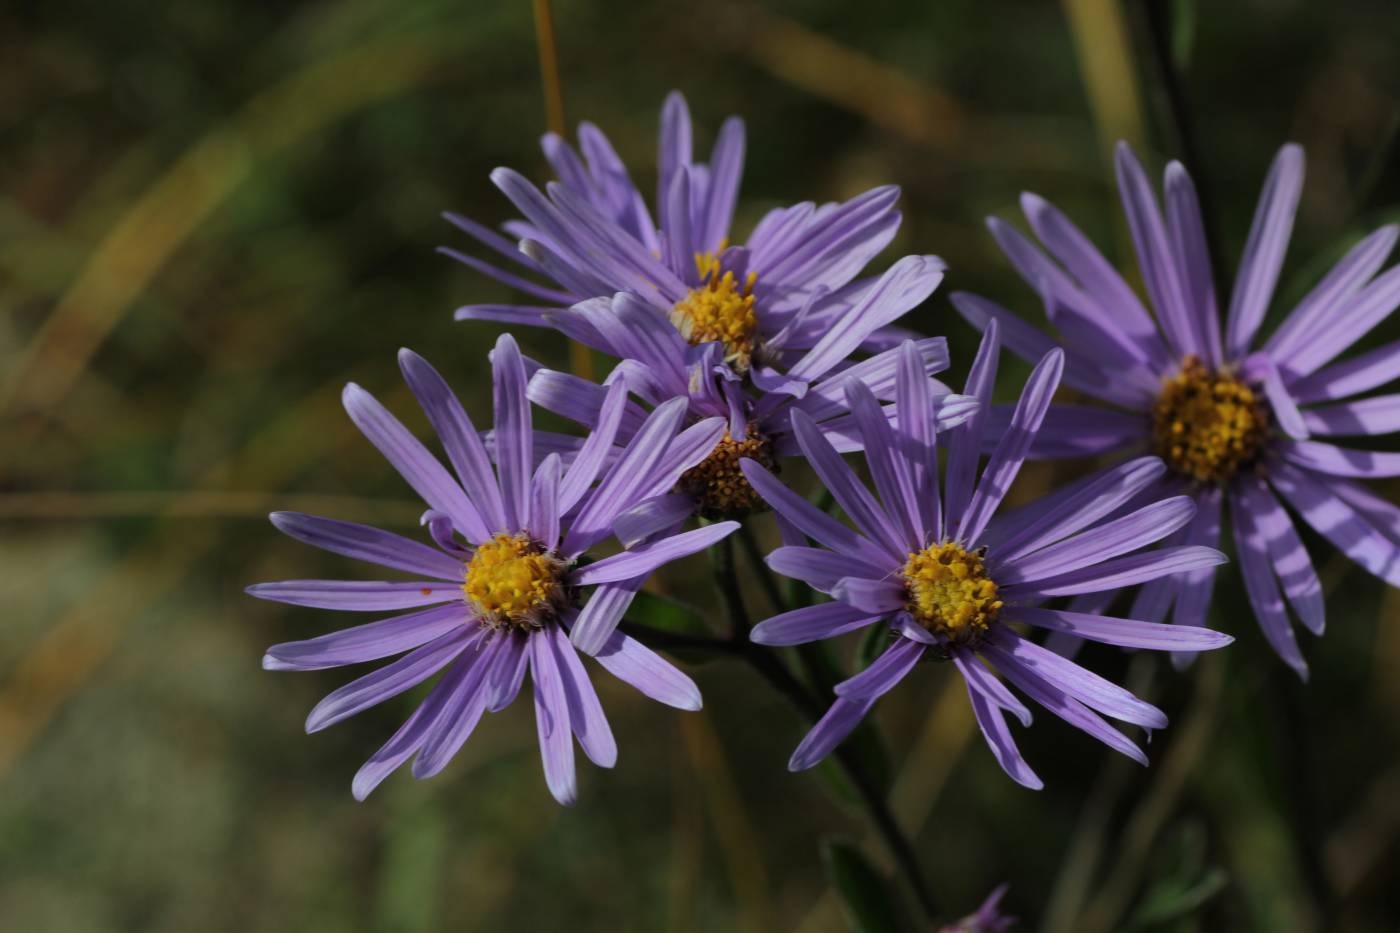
{"x": 488, "y": 238}
{"x": 891, "y": 472}
{"x": 390, "y": 680}
{"x": 641, "y": 561}
{"x": 1289, "y": 557}
{"x": 827, "y": 397}
{"x": 1005, "y": 461}
{"x": 510, "y": 279}
{"x": 829, "y": 732}
{"x": 871, "y": 596}
{"x": 411, "y": 459}
{"x": 981, "y": 679}
{"x": 818, "y": 568}
{"x": 544, "y": 503}
{"x": 1377, "y": 415}
{"x": 552, "y": 721}
{"x": 1339, "y": 285}
{"x": 1071, "y": 431}
{"x": 521, "y": 315}
{"x": 1070, "y": 509}
{"x": 401, "y": 746}
{"x": 850, "y": 493}
{"x": 463, "y": 706}
{"x": 674, "y": 150}
{"x": 809, "y": 519}
{"x": 1338, "y": 522}
{"x": 1125, "y": 633}
{"x": 622, "y": 482}
{"x": 1099, "y": 278}
{"x": 1264, "y": 251}
{"x": 601, "y": 614}
{"x": 1379, "y": 513}
{"x": 595, "y": 450}
{"x": 965, "y": 447}
{"x": 364, "y": 542}
{"x": 1065, "y": 706}
{"x": 652, "y": 516}
{"x": 506, "y": 675}
{"x": 918, "y": 439}
{"x": 1155, "y": 258}
{"x": 726, "y": 169}
{"x": 459, "y": 438}
{"x": 1189, "y": 246}
{"x": 1263, "y": 592}
{"x": 1113, "y": 574}
{"x": 370, "y": 642}
{"x": 1084, "y": 685}
{"x": 688, "y": 449}
{"x": 884, "y": 673}
{"x": 586, "y": 716}
{"x": 1350, "y": 322}
{"x": 810, "y": 623}
{"x": 357, "y": 595}
{"x": 1340, "y": 461}
{"x": 826, "y": 230}
{"x": 513, "y": 431}
{"x": 1101, "y": 542}
{"x": 634, "y": 663}
{"x": 1350, "y": 377}
{"x": 1194, "y": 588}
{"x": 999, "y": 740}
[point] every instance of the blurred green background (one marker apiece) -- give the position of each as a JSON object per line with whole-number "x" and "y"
{"x": 213, "y": 214}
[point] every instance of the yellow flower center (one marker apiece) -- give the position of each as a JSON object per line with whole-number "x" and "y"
{"x": 717, "y": 483}
{"x": 949, "y": 591}
{"x": 719, "y": 310}
{"x": 1207, "y": 425}
{"x": 512, "y": 581}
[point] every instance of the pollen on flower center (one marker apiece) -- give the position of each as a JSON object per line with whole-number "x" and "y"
{"x": 717, "y": 483}
{"x": 949, "y": 592}
{"x": 1207, "y": 425}
{"x": 719, "y": 309}
{"x": 512, "y": 581}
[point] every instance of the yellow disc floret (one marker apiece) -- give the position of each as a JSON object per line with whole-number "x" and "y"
{"x": 1207, "y": 425}
{"x": 717, "y": 483}
{"x": 949, "y": 591}
{"x": 512, "y": 581}
{"x": 719, "y": 309}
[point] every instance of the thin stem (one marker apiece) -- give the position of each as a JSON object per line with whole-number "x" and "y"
{"x": 549, "y": 67}
{"x": 773, "y": 670}
{"x": 1158, "y": 27}
{"x": 754, "y": 555}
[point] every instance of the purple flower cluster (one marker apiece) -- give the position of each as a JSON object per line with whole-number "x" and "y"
{"x": 731, "y": 359}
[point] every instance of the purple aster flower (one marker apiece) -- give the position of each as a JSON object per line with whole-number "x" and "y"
{"x": 1239, "y": 418}
{"x": 764, "y": 304}
{"x": 502, "y": 585}
{"x": 950, "y": 583}
{"x": 987, "y": 919}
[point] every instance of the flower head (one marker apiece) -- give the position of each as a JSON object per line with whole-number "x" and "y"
{"x": 987, "y": 919}
{"x": 951, "y": 580}
{"x": 502, "y": 589}
{"x": 1244, "y": 421}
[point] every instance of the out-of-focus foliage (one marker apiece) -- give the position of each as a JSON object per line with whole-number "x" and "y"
{"x": 213, "y": 214}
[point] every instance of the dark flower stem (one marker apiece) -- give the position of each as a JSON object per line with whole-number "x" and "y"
{"x": 771, "y": 668}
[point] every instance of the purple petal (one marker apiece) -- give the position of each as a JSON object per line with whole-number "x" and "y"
{"x": 1190, "y": 247}
{"x": 1377, "y": 415}
{"x": 1350, "y": 322}
{"x": 1340, "y": 461}
{"x": 810, "y": 520}
{"x": 965, "y": 447}
{"x": 1338, "y": 522}
{"x": 884, "y": 672}
{"x": 829, "y": 732}
{"x": 544, "y": 503}
{"x": 463, "y": 705}
{"x": 1070, "y": 431}
{"x": 843, "y": 483}
{"x": 585, "y": 712}
{"x": 982, "y": 680}
{"x": 870, "y": 596}
{"x": 401, "y": 746}
{"x": 357, "y": 595}
{"x": 1263, "y": 592}
{"x": 1264, "y": 251}
{"x": 390, "y": 680}
{"x": 601, "y": 614}
{"x": 1114, "y": 574}
{"x": 411, "y": 459}
{"x": 1194, "y": 589}
{"x": 370, "y": 642}
{"x": 506, "y": 675}
{"x": 459, "y": 438}
{"x": 652, "y": 516}
{"x": 513, "y": 431}
{"x": 1082, "y": 684}
{"x": 596, "y": 448}
{"x": 1125, "y": 633}
{"x": 1289, "y": 557}
{"x": 641, "y": 561}
{"x": 674, "y": 150}
{"x": 810, "y": 623}
{"x": 891, "y": 472}
{"x": 552, "y": 721}
{"x": 1005, "y": 461}
{"x": 1111, "y": 539}
{"x": 919, "y": 438}
{"x": 999, "y": 740}
{"x": 1351, "y": 377}
{"x": 510, "y": 279}
{"x": 633, "y": 663}
{"x": 363, "y": 542}
{"x": 726, "y": 168}
{"x": 817, "y": 567}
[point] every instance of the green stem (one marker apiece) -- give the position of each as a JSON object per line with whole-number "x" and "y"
{"x": 771, "y": 668}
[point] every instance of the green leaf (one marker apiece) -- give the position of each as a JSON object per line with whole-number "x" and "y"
{"x": 667, "y": 615}
{"x": 866, "y": 900}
